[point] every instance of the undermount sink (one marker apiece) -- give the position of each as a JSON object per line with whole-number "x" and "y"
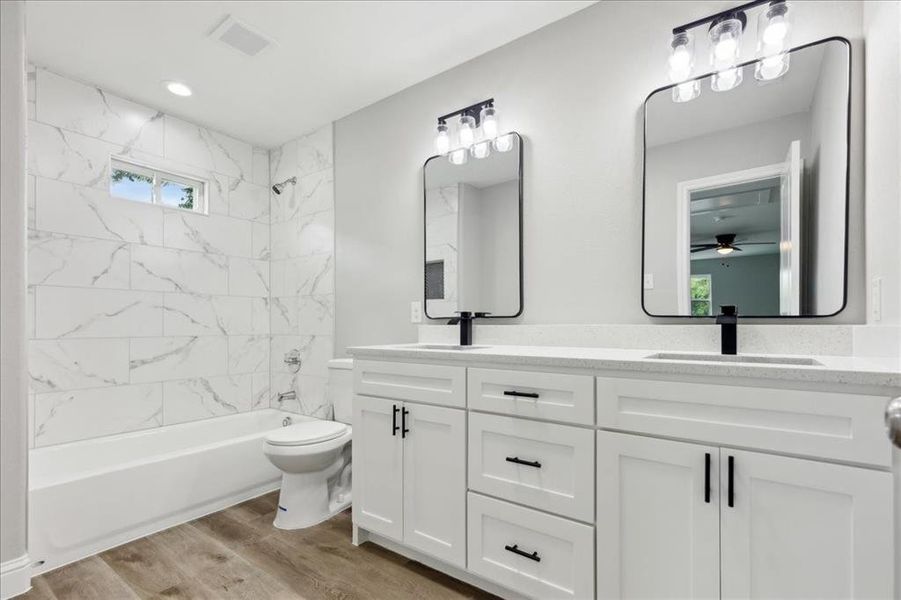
{"x": 445, "y": 347}
{"x": 737, "y": 358}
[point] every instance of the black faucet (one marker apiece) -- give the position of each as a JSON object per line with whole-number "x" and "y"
{"x": 465, "y": 320}
{"x": 728, "y": 322}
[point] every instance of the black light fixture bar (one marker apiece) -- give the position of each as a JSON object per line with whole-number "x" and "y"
{"x": 473, "y": 110}
{"x": 738, "y": 10}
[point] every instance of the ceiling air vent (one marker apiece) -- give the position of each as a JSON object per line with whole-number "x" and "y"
{"x": 240, "y": 37}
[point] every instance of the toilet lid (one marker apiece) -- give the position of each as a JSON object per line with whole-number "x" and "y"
{"x": 307, "y": 432}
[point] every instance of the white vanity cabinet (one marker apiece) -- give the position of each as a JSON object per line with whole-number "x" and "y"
{"x": 411, "y": 463}
{"x": 710, "y": 520}
{"x": 579, "y": 482}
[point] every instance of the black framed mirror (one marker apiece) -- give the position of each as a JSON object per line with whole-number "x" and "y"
{"x": 472, "y": 231}
{"x": 746, "y": 191}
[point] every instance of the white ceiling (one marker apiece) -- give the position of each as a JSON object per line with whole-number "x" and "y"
{"x": 330, "y": 58}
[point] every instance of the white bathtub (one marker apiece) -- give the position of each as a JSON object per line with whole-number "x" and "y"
{"x": 89, "y": 496}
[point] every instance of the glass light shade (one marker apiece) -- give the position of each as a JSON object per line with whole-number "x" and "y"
{"x": 481, "y": 149}
{"x": 681, "y": 58}
{"x": 723, "y": 81}
{"x": 725, "y": 250}
{"x": 774, "y": 29}
{"x": 458, "y": 156}
{"x": 725, "y": 43}
{"x": 467, "y": 130}
{"x": 771, "y": 67}
{"x": 685, "y": 92}
{"x": 442, "y": 139}
{"x": 503, "y": 143}
{"x": 489, "y": 122}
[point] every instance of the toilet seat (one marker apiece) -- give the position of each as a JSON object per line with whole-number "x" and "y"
{"x": 306, "y": 433}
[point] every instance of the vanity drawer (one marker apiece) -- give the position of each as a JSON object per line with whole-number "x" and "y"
{"x": 552, "y": 396}
{"x": 430, "y": 384}
{"x": 544, "y": 465}
{"x": 530, "y": 552}
{"x": 845, "y": 427}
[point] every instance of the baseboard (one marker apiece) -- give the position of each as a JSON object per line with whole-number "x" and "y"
{"x": 15, "y": 577}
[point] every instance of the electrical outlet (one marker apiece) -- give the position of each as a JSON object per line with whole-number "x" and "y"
{"x": 649, "y": 281}
{"x": 416, "y": 311}
{"x": 876, "y": 299}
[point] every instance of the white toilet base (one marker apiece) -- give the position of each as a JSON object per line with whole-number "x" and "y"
{"x": 305, "y": 500}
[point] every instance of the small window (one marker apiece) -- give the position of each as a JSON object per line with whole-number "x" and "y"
{"x": 434, "y": 280}
{"x": 146, "y": 184}
{"x": 701, "y": 296}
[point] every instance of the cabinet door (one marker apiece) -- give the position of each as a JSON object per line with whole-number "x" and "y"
{"x": 657, "y": 518}
{"x": 804, "y": 529}
{"x": 378, "y": 466}
{"x": 435, "y": 482}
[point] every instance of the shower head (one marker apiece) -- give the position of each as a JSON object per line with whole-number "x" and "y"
{"x": 278, "y": 187}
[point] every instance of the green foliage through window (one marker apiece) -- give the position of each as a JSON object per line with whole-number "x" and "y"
{"x": 701, "y": 296}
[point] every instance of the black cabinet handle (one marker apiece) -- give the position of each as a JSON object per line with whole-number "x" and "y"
{"x": 707, "y": 477}
{"x": 731, "y": 481}
{"x": 521, "y": 394}
{"x": 403, "y": 422}
{"x": 394, "y": 411}
{"x": 528, "y": 463}
{"x": 515, "y": 550}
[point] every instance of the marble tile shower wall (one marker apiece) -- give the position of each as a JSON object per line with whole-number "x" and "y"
{"x": 303, "y": 271}
{"x": 141, "y": 316}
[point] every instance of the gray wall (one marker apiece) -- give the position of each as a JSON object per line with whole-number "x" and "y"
{"x": 575, "y": 90}
{"x": 13, "y": 388}
{"x": 749, "y": 282}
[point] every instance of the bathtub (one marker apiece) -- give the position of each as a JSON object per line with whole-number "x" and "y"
{"x": 89, "y": 496}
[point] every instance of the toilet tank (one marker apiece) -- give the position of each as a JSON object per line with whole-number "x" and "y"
{"x": 340, "y": 389}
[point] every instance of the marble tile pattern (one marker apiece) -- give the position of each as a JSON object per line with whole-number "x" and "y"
{"x": 302, "y": 272}
{"x": 143, "y": 316}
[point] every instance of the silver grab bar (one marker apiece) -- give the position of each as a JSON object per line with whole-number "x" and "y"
{"x": 893, "y": 421}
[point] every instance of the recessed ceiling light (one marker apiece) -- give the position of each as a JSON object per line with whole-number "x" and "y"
{"x": 178, "y": 88}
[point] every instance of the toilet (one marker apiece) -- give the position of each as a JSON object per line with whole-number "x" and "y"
{"x": 314, "y": 457}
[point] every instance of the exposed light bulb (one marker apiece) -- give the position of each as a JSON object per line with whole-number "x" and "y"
{"x": 681, "y": 57}
{"x": 773, "y": 29}
{"x": 723, "y": 81}
{"x": 489, "y": 122}
{"x": 725, "y": 41}
{"x": 503, "y": 143}
{"x": 442, "y": 139}
{"x": 458, "y": 156}
{"x": 467, "y": 130}
{"x": 685, "y": 92}
{"x": 771, "y": 67}
{"x": 481, "y": 149}
{"x": 725, "y": 250}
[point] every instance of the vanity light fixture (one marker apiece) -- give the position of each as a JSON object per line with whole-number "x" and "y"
{"x": 477, "y": 132}
{"x": 724, "y": 34}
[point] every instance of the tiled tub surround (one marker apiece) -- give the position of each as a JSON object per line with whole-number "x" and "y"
{"x": 142, "y": 316}
{"x": 303, "y": 271}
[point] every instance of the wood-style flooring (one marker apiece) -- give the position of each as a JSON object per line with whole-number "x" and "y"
{"x": 237, "y": 553}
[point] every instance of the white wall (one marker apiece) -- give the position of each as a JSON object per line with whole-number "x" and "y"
{"x": 303, "y": 262}
{"x": 14, "y": 567}
{"x": 575, "y": 90}
{"x": 142, "y": 316}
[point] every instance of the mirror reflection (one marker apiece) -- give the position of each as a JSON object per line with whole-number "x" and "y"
{"x": 746, "y": 191}
{"x": 473, "y": 234}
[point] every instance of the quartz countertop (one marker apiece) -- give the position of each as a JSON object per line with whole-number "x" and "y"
{"x": 841, "y": 370}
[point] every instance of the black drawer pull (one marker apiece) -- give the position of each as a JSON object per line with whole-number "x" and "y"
{"x": 394, "y": 411}
{"x": 528, "y": 463}
{"x": 403, "y": 422}
{"x": 515, "y": 550}
{"x": 731, "y": 481}
{"x": 521, "y": 394}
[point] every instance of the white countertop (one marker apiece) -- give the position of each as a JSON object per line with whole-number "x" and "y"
{"x": 843, "y": 370}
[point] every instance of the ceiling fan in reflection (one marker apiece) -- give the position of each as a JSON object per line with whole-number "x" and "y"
{"x": 725, "y": 244}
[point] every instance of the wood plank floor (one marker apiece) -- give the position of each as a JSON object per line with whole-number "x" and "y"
{"x": 237, "y": 553}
